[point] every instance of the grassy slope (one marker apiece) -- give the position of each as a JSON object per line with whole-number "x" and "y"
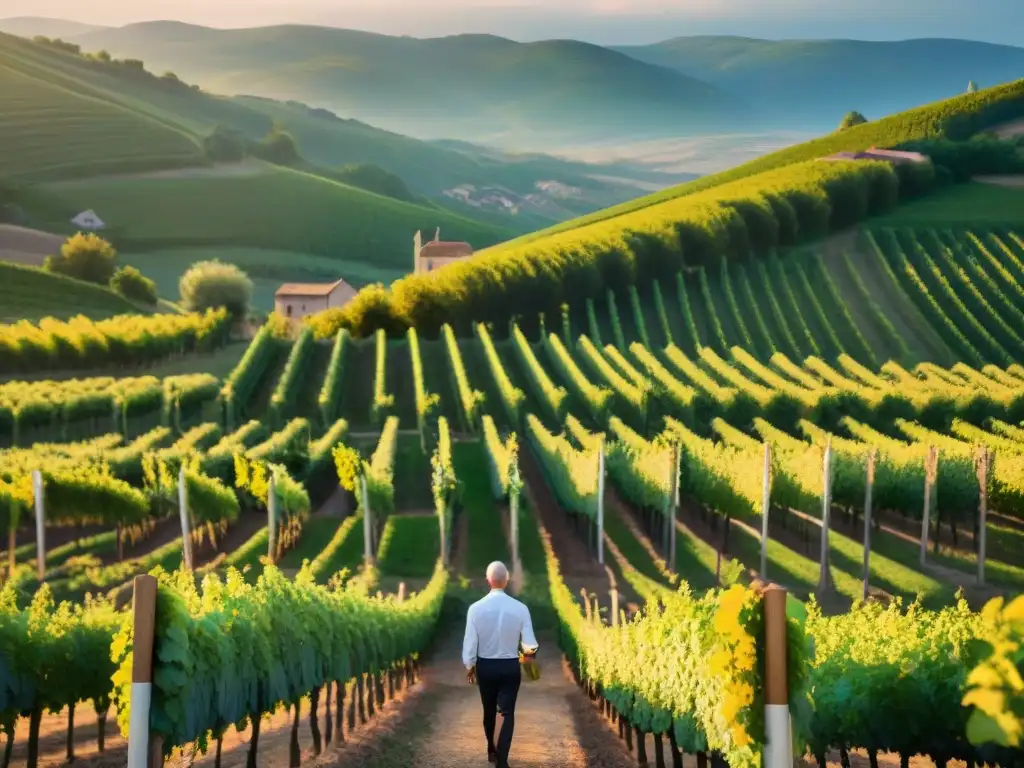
{"x": 53, "y": 126}
{"x": 280, "y": 209}
{"x": 28, "y": 293}
{"x": 928, "y": 121}
{"x": 129, "y": 123}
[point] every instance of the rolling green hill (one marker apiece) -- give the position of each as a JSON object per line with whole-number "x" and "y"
{"x": 957, "y": 118}
{"x": 464, "y": 86}
{"x": 30, "y": 26}
{"x": 818, "y": 81}
{"x": 52, "y": 128}
{"x": 263, "y": 206}
{"x": 170, "y": 119}
{"x": 781, "y": 200}
{"x": 29, "y": 293}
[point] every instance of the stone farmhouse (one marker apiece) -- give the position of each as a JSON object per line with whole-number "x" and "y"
{"x": 428, "y": 257}
{"x": 297, "y": 300}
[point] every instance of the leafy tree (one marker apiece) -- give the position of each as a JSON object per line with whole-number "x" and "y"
{"x": 213, "y": 284}
{"x": 224, "y": 145}
{"x": 132, "y": 284}
{"x": 278, "y": 147}
{"x": 86, "y": 257}
{"x": 972, "y": 87}
{"x": 373, "y": 178}
{"x": 852, "y": 119}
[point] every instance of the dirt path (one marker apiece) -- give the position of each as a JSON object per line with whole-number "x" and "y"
{"x": 1002, "y": 181}
{"x": 580, "y": 568}
{"x": 555, "y": 724}
{"x": 247, "y": 168}
{"x": 1007, "y": 130}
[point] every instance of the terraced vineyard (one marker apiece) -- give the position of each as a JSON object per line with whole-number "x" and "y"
{"x": 912, "y": 296}
{"x": 842, "y": 419}
{"x": 51, "y": 128}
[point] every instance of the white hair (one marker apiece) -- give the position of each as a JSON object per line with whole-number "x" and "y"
{"x": 497, "y": 573}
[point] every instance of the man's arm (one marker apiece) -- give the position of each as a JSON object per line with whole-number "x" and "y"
{"x": 470, "y": 643}
{"x": 529, "y": 641}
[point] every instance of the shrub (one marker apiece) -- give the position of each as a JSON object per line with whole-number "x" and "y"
{"x": 86, "y": 257}
{"x": 373, "y": 178}
{"x": 851, "y": 119}
{"x": 213, "y": 284}
{"x": 278, "y": 147}
{"x": 132, "y": 284}
{"x": 224, "y": 145}
{"x": 982, "y": 155}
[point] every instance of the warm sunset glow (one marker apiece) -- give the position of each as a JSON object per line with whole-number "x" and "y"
{"x": 621, "y": 21}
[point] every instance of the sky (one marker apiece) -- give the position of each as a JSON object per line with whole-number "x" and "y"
{"x": 599, "y": 21}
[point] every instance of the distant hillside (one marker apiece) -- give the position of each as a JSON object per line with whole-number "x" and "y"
{"x": 818, "y": 81}
{"x": 30, "y": 26}
{"x": 464, "y": 86}
{"x": 957, "y": 118}
{"x": 98, "y": 104}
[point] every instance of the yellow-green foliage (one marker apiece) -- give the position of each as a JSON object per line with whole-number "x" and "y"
{"x": 772, "y": 209}
{"x": 957, "y": 118}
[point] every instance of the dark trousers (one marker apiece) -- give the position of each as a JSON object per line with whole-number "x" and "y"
{"x": 499, "y": 681}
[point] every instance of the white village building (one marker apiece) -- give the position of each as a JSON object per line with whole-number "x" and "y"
{"x": 88, "y": 220}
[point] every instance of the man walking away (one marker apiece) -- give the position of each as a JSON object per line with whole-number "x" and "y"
{"x": 494, "y": 627}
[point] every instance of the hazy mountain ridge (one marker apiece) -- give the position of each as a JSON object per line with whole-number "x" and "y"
{"x": 819, "y": 80}
{"x": 430, "y": 88}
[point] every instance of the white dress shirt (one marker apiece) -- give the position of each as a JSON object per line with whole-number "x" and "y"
{"x": 494, "y": 625}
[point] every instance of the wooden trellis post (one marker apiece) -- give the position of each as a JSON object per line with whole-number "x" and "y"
{"x": 930, "y": 470}
{"x": 141, "y": 752}
{"x": 778, "y": 751}
{"x": 39, "y": 494}
{"x": 824, "y": 577}
{"x": 272, "y": 518}
{"x": 367, "y": 522}
{"x": 183, "y": 513}
{"x": 869, "y": 487}
{"x": 983, "y": 470}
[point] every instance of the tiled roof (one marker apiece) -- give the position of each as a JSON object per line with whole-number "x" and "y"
{"x": 307, "y": 289}
{"x": 441, "y": 248}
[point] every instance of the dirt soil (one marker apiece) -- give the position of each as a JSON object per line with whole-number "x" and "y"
{"x": 1003, "y": 181}
{"x": 27, "y": 246}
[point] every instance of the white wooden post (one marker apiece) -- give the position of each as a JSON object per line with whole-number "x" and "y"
{"x": 367, "y": 523}
{"x": 186, "y": 533}
{"x": 766, "y": 503}
{"x": 929, "y": 464}
{"x": 868, "y": 490}
{"x": 778, "y": 724}
{"x": 142, "y": 752}
{"x": 39, "y": 494}
{"x": 673, "y": 508}
{"x": 600, "y": 502}
{"x": 826, "y": 514}
{"x": 513, "y": 511}
{"x": 983, "y": 469}
{"x": 614, "y": 594}
{"x": 444, "y": 538}
{"x": 272, "y": 518}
